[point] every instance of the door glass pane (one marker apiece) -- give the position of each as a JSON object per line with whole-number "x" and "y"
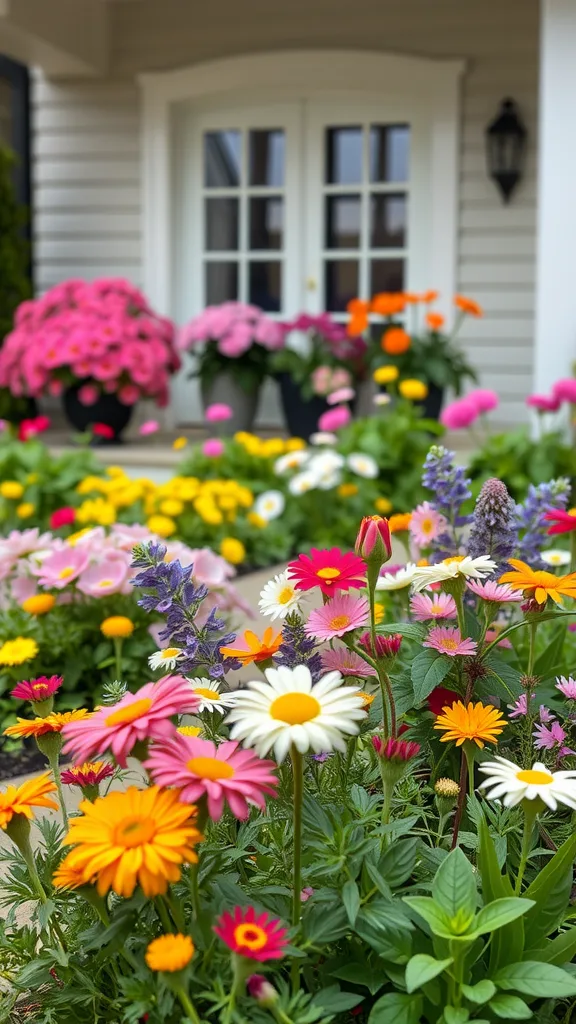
{"x": 265, "y": 285}
{"x": 343, "y": 222}
{"x": 221, "y": 282}
{"x": 389, "y": 151}
{"x": 267, "y": 154}
{"x": 222, "y": 159}
{"x": 388, "y": 216}
{"x": 341, "y": 284}
{"x": 386, "y": 276}
{"x": 344, "y": 156}
{"x": 221, "y": 224}
{"x": 266, "y": 222}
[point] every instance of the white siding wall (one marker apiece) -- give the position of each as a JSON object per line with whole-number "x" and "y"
{"x": 87, "y": 141}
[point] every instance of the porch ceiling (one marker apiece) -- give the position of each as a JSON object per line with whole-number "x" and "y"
{"x": 64, "y": 37}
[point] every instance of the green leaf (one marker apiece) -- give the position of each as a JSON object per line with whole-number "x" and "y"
{"x": 351, "y": 900}
{"x": 500, "y": 913}
{"x": 479, "y": 993}
{"x": 366, "y": 975}
{"x": 560, "y": 950}
{"x": 429, "y": 668}
{"x": 421, "y": 968}
{"x": 398, "y": 862}
{"x": 456, "y": 1015}
{"x": 435, "y": 918}
{"x": 550, "y": 891}
{"x": 321, "y": 925}
{"x": 333, "y": 1000}
{"x": 533, "y": 978}
{"x": 510, "y": 1007}
{"x": 396, "y": 1008}
{"x": 454, "y": 888}
{"x": 552, "y": 653}
{"x": 508, "y": 942}
{"x": 407, "y": 629}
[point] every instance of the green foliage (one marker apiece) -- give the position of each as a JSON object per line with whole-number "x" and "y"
{"x": 520, "y": 460}
{"x": 15, "y": 284}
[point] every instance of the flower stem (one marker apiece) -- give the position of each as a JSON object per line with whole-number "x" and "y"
{"x": 188, "y": 1006}
{"x": 163, "y": 914}
{"x": 54, "y": 763}
{"x": 460, "y": 612}
{"x": 532, "y": 648}
{"x": 470, "y": 763}
{"x": 118, "y": 656}
{"x": 298, "y": 774}
{"x": 461, "y": 802}
{"x": 530, "y": 813}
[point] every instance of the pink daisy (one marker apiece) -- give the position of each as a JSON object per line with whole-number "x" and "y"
{"x": 137, "y": 717}
{"x": 61, "y": 567}
{"x": 547, "y": 738}
{"x": 489, "y": 590}
{"x": 448, "y": 640}
{"x": 338, "y": 616}
{"x": 328, "y": 568}
{"x": 566, "y": 686}
{"x": 426, "y": 524}
{"x": 105, "y": 577}
{"x": 520, "y": 708}
{"x": 424, "y": 607}
{"x": 340, "y": 659}
{"x": 257, "y": 937}
{"x": 221, "y": 773}
{"x": 37, "y": 690}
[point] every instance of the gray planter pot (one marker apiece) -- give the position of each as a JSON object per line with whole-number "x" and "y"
{"x": 244, "y": 404}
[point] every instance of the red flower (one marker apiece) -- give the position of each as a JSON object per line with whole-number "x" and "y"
{"x": 257, "y": 938}
{"x": 29, "y": 428}
{"x": 386, "y": 646}
{"x": 439, "y": 697}
{"x": 91, "y": 773}
{"x": 330, "y": 569}
{"x": 103, "y": 430}
{"x": 395, "y": 750}
{"x": 62, "y": 517}
{"x": 37, "y": 690}
{"x": 564, "y": 522}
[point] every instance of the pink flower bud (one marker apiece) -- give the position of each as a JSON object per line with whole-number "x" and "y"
{"x": 395, "y": 750}
{"x": 386, "y": 646}
{"x": 373, "y": 542}
{"x": 261, "y": 990}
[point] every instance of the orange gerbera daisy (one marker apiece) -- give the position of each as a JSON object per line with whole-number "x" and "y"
{"x": 55, "y": 722}
{"x": 395, "y": 341}
{"x": 388, "y": 303}
{"x": 21, "y": 799}
{"x": 258, "y": 650}
{"x": 478, "y": 723}
{"x": 469, "y": 306}
{"x": 429, "y": 296}
{"x": 67, "y": 877}
{"x": 538, "y": 583}
{"x": 435, "y": 321}
{"x": 399, "y": 522}
{"x": 358, "y": 317}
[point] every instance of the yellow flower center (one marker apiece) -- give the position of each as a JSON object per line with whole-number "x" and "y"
{"x": 427, "y": 526}
{"x": 170, "y": 652}
{"x": 449, "y": 644}
{"x": 251, "y": 936}
{"x": 295, "y": 708}
{"x": 64, "y": 574}
{"x": 535, "y": 778}
{"x": 210, "y": 768}
{"x": 203, "y": 691}
{"x": 285, "y": 595}
{"x": 130, "y": 713}
{"x": 453, "y": 558}
{"x": 340, "y": 622}
{"x": 105, "y": 583}
{"x": 329, "y": 573}
{"x": 572, "y": 511}
{"x": 435, "y": 607}
{"x": 134, "y": 831}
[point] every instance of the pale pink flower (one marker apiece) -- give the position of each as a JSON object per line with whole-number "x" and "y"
{"x": 62, "y": 567}
{"x": 424, "y": 607}
{"x": 149, "y": 427}
{"x": 218, "y": 412}
{"x": 341, "y": 395}
{"x": 221, "y": 773}
{"x": 321, "y": 380}
{"x": 459, "y": 414}
{"x": 348, "y": 663}
{"x": 340, "y": 378}
{"x": 493, "y": 634}
{"x": 335, "y": 419}
{"x": 213, "y": 448}
{"x": 338, "y": 616}
{"x": 547, "y": 738}
{"x": 305, "y": 895}
{"x": 140, "y": 716}
{"x": 520, "y": 707}
{"x": 88, "y": 394}
{"x": 106, "y": 577}
{"x": 426, "y": 524}
{"x": 567, "y": 687}
{"x": 448, "y": 640}
{"x": 498, "y": 593}
{"x": 545, "y": 714}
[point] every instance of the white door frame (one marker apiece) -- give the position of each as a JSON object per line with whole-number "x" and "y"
{"x": 432, "y": 87}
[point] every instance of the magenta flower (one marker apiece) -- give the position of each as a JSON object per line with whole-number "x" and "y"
{"x": 37, "y": 690}
{"x": 484, "y": 399}
{"x": 62, "y": 567}
{"x": 489, "y": 590}
{"x": 213, "y": 448}
{"x": 566, "y": 686}
{"x": 459, "y": 414}
{"x": 395, "y": 750}
{"x": 148, "y": 428}
{"x": 338, "y": 616}
{"x": 387, "y": 646}
{"x": 448, "y": 640}
{"x": 341, "y": 395}
{"x": 543, "y": 403}
{"x": 520, "y": 707}
{"x": 426, "y": 524}
{"x": 547, "y": 738}
{"x": 565, "y": 390}
{"x": 220, "y": 773}
{"x": 335, "y": 419}
{"x": 440, "y": 606}
{"x": 88, "y": 394}
{"x": 144, "y": 715}
{"x": 218, "y": 412}
{"x": 348, "y": 663}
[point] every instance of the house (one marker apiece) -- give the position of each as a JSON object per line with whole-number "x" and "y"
{"x": 295, "y": 154}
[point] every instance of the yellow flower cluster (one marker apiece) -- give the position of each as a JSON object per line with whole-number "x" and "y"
{"x": 268, "y": 448}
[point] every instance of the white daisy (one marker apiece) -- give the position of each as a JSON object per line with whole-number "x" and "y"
{"x": 471, "y": 568}
{"x": 323, "y": 437}
{"x": 210, "y": 697}
{"x": 167, "y": 658}
{"x": 513, "y": 784}
{"x": 381, "y": 399}
{"x": 302, "y": 482}
{"x": 279, "y": 597}
{"x": 326, "y": 462}
{"x": 270, "y": 505}
{"x": 555, "y": 557}
{"x": 398, "y": 580}
{"x": 288, "y": 709}
{"x": 292, "y": 460}
{"x": 363, "y": 465}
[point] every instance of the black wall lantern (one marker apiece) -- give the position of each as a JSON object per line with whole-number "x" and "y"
{"x": 506, "y": 148}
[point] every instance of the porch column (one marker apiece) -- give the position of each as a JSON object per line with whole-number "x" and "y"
{"x": 555, "y": 327}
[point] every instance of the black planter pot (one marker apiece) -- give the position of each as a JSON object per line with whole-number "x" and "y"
{"x": 301, "y": 414}
{"x": 432, "y": 404}
{"x": 108, "y": 409}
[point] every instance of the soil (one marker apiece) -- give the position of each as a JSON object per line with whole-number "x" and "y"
{"x": 24, "y": 761}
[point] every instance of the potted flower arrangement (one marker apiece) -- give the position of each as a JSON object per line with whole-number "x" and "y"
{"x": 419, "y": 349}
{"x": 232, "y": 344}
{"x": 98, "y": 344}
{"x": 330, "y": 360}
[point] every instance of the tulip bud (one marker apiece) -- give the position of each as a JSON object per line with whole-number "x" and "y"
{"x": 261, "y": 990}
{"x": 386, "y": 646}
{"x": 373, "y": 542}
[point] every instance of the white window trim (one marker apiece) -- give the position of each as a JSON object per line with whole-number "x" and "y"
{"x": 300, "y": 74}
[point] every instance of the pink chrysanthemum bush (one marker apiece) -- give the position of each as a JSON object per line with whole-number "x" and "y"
{"x": 373, "y": 822}
{"x": 101, "y": 335}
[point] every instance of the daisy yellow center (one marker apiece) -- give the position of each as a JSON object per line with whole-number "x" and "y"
{"x": 203, "y": 691}
{"x": 555, "y": 559}
{"x": 170, "y": 652}
{"x": 269, "y": 506}
{"x": 535, "y": 778}
{"x": 130, "y": 713}
{"x": 105, "y": 583}
{"x": 38, "y": 686}
{"x": 340, "y": 622}
{"x": 210, "y": 768}
{"x": 285, "y": 595}
{"x": 329, "y": 573}
{"x": 134, "y": 831}
{"x": 427, "y": 526}
{"x": 64, "y": 574}
{"x": 295, "y": 708}
{"x": 435, "y": 607}
{"x": 572, "y": 511}
{"x": 251, "y": 936}
{"x": 453, "y": 558}
{"x": 448, "y": 644}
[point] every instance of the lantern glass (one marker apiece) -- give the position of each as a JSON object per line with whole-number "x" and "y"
{"x": 506, "y": 147}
